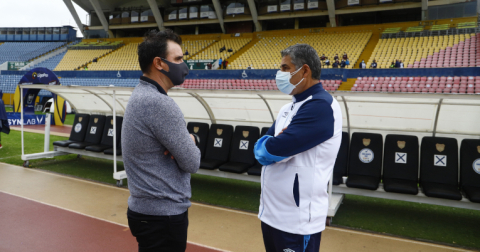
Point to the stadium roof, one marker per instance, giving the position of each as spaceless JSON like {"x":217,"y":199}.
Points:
{"x":110,"y":5}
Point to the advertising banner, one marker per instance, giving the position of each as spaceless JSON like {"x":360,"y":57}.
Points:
{"x":198,"y":64}
{"x":16,"y":65}
{"x":272,"y":8}
{"x":14,"y":119}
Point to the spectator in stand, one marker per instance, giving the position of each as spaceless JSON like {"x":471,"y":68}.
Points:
{"x":347,"y":62}
{"x":95,"y":60}
{"x":222,"y":49}
{"x":401,"y":64}
{"x":209,"y":66}
{"x":322,"y":58}
{"x":186,"y":52}
{"x":342,"y":64}
{"x":250,"y":67}
{"x":374,"y":64}
{"x":335,"y":64}
{"x":335,"y":57}
{"x":363,"y":65}
{"x":220,"y":63}
{"x":392,"y":65}
{"x":327,"y":62}
{"x":225,"y":63}
{"x":230,"y":50}
{"x":345,"y":57}
{"x":397,"y":63}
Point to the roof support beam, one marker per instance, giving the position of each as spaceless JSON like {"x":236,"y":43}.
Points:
{"x":219,"y":12}
{"x":100,"y":15}
{"x":156,"y":14}
{"x":424,"y":9}
{"x":331,"y":12}
{"x":74,"y":13}
{"x":253,"y":10}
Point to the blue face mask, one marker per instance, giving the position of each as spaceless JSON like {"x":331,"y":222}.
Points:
{"x":283,"y":81}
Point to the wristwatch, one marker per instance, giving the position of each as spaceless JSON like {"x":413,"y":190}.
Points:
{"x":197,"y":139}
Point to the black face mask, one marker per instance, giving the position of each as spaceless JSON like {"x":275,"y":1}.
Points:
{"x":177,"y":72}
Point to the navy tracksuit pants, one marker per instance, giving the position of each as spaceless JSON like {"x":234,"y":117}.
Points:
{"x":278,"y":241}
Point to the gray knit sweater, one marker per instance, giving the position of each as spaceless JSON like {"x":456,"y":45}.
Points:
{"x":153,"y":123}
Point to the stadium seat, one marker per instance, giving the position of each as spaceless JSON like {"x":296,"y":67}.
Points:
{"x":257,"y":168}
{"x":241,"y":150}
{"x":94,"y":133}
{"x":400,"y":164}
{"x":218,"y":146}
{"x":80,"y":126}
{"x":340,"y":168}
{"x":439,"y":168}
{"x":470,"y":169}
{"x":365,"y":166}
{"x":201,"y":130}
{"x":107,"y":137}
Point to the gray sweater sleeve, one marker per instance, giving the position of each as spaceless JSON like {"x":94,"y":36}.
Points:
{"x":165,"y":120}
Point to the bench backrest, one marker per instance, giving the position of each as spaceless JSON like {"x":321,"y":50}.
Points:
{"x":366,"y":154}
{"x":439,"y":160}
{"x":400,"y":160}
{"x":219,"y":141}
{"x":79,"y":128}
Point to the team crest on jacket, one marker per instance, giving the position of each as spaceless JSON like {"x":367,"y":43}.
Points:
{"x":366,"y":142}
{"x":95,"y":120}
{"x":80,"y":119}
{"x":219,"y":132}
{"x":478,"y":149}
{"x":440,"y":147}
{"x":401,"y":144}
{"x":196,"y":129}
{"x":246,"y":133}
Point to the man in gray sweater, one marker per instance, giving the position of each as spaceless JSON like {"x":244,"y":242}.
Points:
{"x":158,"y":152}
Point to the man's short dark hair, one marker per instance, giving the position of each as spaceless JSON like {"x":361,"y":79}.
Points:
{"x":304,"y":54}
{"x":155,"y":45}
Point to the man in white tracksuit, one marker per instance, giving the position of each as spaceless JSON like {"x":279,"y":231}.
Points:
{"x":298,"y":153}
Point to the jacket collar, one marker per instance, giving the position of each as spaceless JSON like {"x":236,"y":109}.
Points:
{"x":307,"y":93}
{"x":154,"y":83}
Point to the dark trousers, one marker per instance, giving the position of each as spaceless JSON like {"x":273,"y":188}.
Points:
{"x":278,"y":241}
{"x":159,"y":233}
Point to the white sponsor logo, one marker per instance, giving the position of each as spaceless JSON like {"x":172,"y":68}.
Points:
{"x":218,"y":142}
{"x":400,"y":158}
{"x":78,"y":127}
{"x":366,"y":155}
{"x":41,"y":75}
{"x":476,"y":165}
{"x":288,"y":250}
{"x":243,"y":145}
{"x":439,"y":160}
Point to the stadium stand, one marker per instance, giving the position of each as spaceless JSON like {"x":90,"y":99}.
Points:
{"x":74,"y":59}
{"x":25,"y":51}
{"x":125,"y":58}
{"x":194,"y":46}
{"x":428,"y":51}
{"x":52,"y":62}
{"x":443,"y":84}
{"x":213,"y":51}
{"x":265,"y":54}
{"x":329,"y":85}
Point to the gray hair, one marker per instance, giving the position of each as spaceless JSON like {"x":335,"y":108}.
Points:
{"x":304,"y":54}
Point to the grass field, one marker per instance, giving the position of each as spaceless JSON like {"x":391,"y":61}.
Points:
{"x":454,"y":226}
